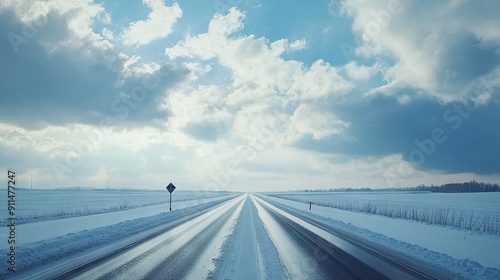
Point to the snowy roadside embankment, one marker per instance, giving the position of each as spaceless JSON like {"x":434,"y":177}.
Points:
{"x":33,"y":255}
{"x":471,"y":211}
{"x":56,"y":227}
{"x":469,"y":254}
{"x":43,"y":205}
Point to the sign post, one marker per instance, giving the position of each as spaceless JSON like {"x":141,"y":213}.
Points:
{"x":170,"y":189}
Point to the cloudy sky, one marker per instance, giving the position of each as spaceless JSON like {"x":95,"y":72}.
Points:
{"x":250,"y":94}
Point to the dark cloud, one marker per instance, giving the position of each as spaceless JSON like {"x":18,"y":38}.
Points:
{"x":382,"y":127}
{"x":68,"y":85}
{"x":466,"y":59}
{"x":205,"y":131}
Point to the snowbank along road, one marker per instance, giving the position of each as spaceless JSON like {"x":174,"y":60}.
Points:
{"x":246,"y":237}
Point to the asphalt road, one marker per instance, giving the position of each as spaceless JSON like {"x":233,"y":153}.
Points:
{"x":329,"y":253}
{"x":307,"y":255}
{"x":224,"y":242}
{"x":175,"y":254}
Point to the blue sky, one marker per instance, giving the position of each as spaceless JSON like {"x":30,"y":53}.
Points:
{"x":250,"y":95}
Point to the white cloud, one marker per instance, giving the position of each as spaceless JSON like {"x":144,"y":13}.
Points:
{"x":281,"y":46}
{"x":226,"y":24}
{"x":80,"y":154}
{"x":308,"y":120}
{"x":134,"y":67}
{"x":265,"y":90}
{"x":108,"y":34}
{"x":321,"y":80}
{"x":436,"y":45}
{"x":148,"y":156}
{"x":204,"y":104}
{"x":404,"y":99}
{"x":74,"y":71}
{"x":79,"y":14}
{"x":241,"y":101}
{"x":78,"y":85}
{"x":298,"y":45}
{"x":360,"y":72}
{"x":159,"y":24}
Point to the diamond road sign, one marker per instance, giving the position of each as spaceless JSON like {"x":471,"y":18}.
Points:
{"x":170,"y":188}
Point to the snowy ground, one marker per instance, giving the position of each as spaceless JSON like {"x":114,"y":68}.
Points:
{"x":473,"y":211}
{"x":480,"y":202}
{"x":237,"y":239}
{"x":37,"y":205}
{"x":459,"y":244}
{"x":466,"y":254}
{"x":52,"y":228}
{"x":54,"y":239}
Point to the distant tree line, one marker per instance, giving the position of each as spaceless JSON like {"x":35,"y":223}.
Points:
{"x":466,"y":187}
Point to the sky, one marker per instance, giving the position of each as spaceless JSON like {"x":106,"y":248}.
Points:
{"x":249,"y":95}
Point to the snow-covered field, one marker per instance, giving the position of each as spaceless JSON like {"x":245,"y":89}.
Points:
{"x":65,"y":239}
{"x":55,"y":239}
{"x":461,"y":244}
{"x":472,"y":211}
{"x":484,"y":202}
{"x":36,"y":205}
